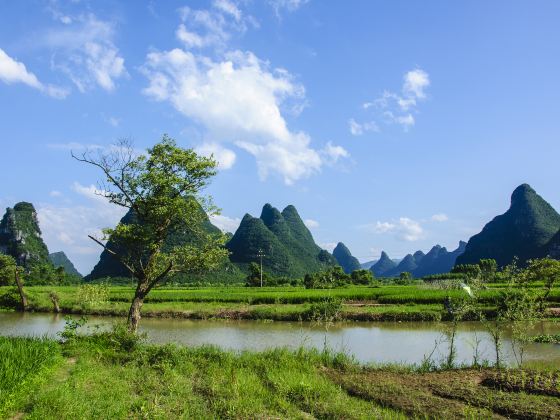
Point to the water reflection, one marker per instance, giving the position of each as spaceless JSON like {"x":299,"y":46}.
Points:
{"x":406,"y":342}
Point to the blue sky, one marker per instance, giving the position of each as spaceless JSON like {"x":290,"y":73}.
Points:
{"x":390,"y":125}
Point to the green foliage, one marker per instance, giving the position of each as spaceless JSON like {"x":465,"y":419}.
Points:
{"x":254,"y":277}
{"x":10,"y":298}
{"x":71,"y":326}
{"x":470,"y":271}
{"x":488,"y":269}
{"x":7,"y":267}
{"x":328,"y":310}
{"x":333,"y":277}
{"x":361,"y":276}
{"x":93,"y":294}
{"x":161,"y":189}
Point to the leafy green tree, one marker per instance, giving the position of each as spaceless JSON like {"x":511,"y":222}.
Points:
{"x":162,"y":189}
{"x":471,"y":271}
{"x":546,"y":270}
{"x":361,"y":276}
{"x":254,"y":277}
{"x":488,"y":269}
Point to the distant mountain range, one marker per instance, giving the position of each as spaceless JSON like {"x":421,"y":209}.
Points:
{"x":287,"y":245}
{"x":530,"y":228}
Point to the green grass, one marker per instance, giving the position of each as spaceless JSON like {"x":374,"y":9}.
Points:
{"x":110,"y":376}
{"x":401,"y":303}
{"x":24,"y":362}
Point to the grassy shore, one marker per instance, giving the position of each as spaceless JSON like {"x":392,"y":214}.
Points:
{"x":112,"y":376}
{"x":385,"y":303}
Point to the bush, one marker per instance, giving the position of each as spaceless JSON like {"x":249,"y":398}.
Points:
{"x":10,"y":299}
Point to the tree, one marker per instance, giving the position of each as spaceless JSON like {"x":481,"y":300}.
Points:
{"x":361,"y":276}
{"x":471,"y":271}
{"x":10,"y":273}
{"x":162,"y":190}
{"x":254,"y":277}
{"x":488,"y":268}
{"x":546,"y":270}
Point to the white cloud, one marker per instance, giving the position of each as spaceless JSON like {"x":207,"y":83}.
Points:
{"x":114,"y":121}
{"x":224,"y":157}
{"x":440,"y":217}
{"x":55,"y":193}
{"x":311,"y":224}
{"x":332,"y":154}
{"x":415,"y":82}
{"x":403,"y":229}
{"x":13,"y":71}
{"x":286,"y":5}
{"x":225,"y":223}
{"x":85,"y":52}
{"x":212,"y":27}
{"x":238,"y":100}
{"x":329,"y":246}
{"x":395,"y":108}
{"x":357,"y":129}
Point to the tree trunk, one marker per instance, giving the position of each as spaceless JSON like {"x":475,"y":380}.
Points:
{"x":20,"y":290}
{"x":135,"y":307}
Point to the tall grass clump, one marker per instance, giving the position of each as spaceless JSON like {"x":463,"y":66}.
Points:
{"x":23,"y":362}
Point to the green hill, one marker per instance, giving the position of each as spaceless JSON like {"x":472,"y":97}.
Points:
{"x":524,"y":231}
{"x":407,"y":264}
{"x":288,"y":246}
{"x":20,"y":236}
{"x":59,"y":259}
{"x":109,"y":266}
{"x":345,"y":258}
{"x":383,"y":266}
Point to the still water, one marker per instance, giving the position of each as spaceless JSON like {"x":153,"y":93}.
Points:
{"x":381,"y":342}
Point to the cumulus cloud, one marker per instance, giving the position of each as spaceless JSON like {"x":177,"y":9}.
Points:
{"x":13,"y":71}
{"x":395,"y":108}
{"x":224,"y":157}
{"x":311,"y":224}
{"x":403,"y":229}
{"x":225,"y":223}
{"x":440,"y":217}
{"x":238,"y":98}
{"x":84,"y":50}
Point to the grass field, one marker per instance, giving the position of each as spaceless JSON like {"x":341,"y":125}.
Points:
{"x":108,"y":376}
{"x":413,"y":303}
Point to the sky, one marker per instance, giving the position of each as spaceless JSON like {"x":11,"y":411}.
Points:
{"x":390,"y":125}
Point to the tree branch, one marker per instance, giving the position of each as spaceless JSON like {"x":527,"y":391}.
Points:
{"x":114,"y":254}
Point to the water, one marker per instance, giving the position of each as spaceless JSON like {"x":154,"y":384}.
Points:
{"x":381,"y":342}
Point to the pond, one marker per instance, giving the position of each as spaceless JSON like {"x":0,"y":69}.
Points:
{"x":379,"y":342}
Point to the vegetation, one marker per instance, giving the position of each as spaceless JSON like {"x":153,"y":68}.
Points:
{"x":114,"y":375}
{"x":287,"y":245}
{"x":160,"y":190}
